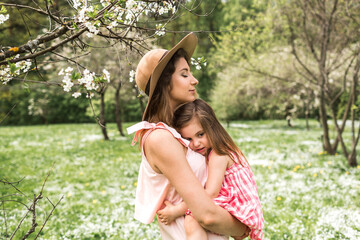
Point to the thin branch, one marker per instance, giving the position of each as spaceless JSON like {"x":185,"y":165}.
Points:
{"x":12,"y":184}
{"x":96,"y":117}
{"x":18,"y":226}
{"x":33,"y":211}
{"x":71,"y":59}
{"x":38,"y":82}
{"x":26,"y":26}
{"x":7,"y":114}
{"x":344,"y":82}
{"x":49,"y":49}
{"x":32,"y":44}
{"x":24,"y":6}
{"x":48,"y":217}
{"x":6,"y":230}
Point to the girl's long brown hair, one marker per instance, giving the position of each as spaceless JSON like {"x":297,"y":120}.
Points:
{"x":159,"y":109}
{"x":219,"y":139}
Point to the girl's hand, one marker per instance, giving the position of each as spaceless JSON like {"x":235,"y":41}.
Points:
{"x":167,"y":215}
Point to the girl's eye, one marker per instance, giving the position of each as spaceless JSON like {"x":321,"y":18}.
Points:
{"x":184,"y":75}
{"x":201,"y":134}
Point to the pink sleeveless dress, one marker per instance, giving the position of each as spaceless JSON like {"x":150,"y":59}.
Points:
{"x":154,"y":188}
{"x":239,"y":196}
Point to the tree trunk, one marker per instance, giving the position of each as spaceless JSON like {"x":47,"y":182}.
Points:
{"x":354,"y":94}
{"x":102,"y":115}
{"x":140,"y":98}
{"x":117,"y":109}
{"x":323,"y":119}
{"x":307,"y":115}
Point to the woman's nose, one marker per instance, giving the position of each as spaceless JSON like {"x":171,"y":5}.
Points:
{"x":194,"y":81}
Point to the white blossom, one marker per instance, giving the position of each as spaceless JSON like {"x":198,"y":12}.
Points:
{"x":76,"y":94}
{"x":3,"y":18}
{"x":21,"y":67}
{"x":112,"y":24}
{"x":93,"y":28}
{"x":132,"y":75}
{"x":69,"y":70}
{"x":89,"y":94}
{"x":87,"y":81}
{"x":89,"y":35}
{"x":160,"y":30}
{"x":77,"y":4}
{"x":106,"y":75}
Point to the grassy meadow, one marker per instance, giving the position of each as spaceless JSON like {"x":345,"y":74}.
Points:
{"x":305,"y":193}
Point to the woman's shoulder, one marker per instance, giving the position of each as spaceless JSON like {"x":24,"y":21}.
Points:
{"x":165,"y":135}
{"x":159,"y":135}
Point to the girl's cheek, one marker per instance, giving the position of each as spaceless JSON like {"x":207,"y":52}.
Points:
{"x":191,"y":146}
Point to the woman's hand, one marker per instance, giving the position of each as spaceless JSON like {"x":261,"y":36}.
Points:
{"x":246,"y":234}
{"x":168,"y":214}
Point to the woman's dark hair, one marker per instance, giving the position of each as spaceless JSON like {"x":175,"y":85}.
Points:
{"x":159,"y":109}
{"x":219,"y":139}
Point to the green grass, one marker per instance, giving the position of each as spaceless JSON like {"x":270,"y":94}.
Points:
{"x":304,"y":194}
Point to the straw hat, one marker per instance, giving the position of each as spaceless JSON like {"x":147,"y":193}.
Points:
{"x":153,"y":63}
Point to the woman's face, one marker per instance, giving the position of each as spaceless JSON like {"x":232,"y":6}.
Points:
{"x":182,"y":84}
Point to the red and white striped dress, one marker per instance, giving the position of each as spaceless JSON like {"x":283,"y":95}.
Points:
{"x":239,"y":196}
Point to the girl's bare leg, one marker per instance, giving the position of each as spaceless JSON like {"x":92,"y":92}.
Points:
{"x":194,"y":231}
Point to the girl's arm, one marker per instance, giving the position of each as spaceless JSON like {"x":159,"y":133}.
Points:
{"x":216,"y":171}
{"x":167,"y":156}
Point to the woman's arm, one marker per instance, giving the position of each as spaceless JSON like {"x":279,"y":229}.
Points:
{"x":167,"y":156}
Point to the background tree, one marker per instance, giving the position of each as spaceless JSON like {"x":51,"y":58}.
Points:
{"x":323,"y":38}
{"x":328,"y":32}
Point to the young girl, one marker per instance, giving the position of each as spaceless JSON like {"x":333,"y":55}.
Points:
{"x":230,"y":179}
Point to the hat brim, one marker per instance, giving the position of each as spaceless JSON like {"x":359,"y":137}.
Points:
{"x":188,"y":43}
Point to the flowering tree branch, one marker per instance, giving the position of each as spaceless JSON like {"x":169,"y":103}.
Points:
{"x":108,"y":19}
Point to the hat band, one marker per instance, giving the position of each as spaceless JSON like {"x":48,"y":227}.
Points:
{"x":147,"y":88}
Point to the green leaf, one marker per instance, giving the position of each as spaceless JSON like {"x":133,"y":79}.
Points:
{"x":354,"y":107}
{"x":26,"y":87}
{"x":3,"y":10}
{"x":75,"y":75}
{"x":13,"y":68}
{"x":75,"y":26}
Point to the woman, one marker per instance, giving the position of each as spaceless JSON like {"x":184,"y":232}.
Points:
{"x":165,"y":173}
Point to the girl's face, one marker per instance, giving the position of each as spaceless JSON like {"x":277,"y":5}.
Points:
{"x":182,"y":84}
{"x":196,"y":135}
